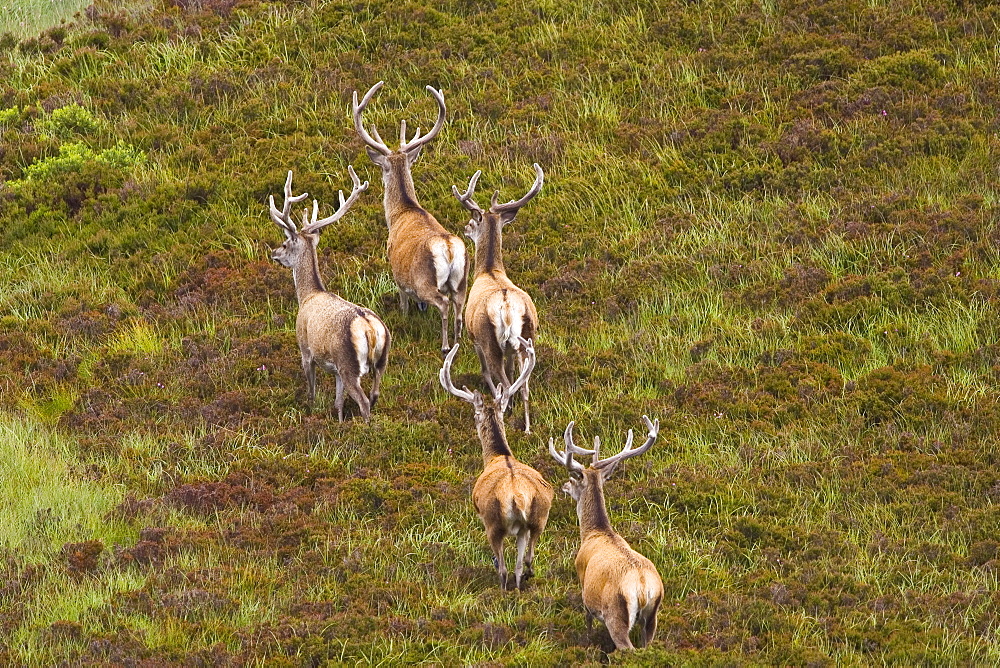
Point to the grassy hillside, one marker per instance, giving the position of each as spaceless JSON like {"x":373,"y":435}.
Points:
{"x":25,"y":18}
{"x":772,"y":225}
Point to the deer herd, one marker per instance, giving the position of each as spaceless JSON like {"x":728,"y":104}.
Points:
{"x":429,"y":265}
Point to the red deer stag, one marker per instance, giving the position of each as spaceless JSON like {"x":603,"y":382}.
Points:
{"x":428,"y":263}
{"x":620,"y":586}
{"x":511,"y":498}
{"x":344,"y":338}
{"x":498,"y":312}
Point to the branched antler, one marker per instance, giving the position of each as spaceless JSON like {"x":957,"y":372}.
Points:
{"x":566,"y":458}
{"x":445,"y":375}
{"x":374,"y":141}
{"x":283,"y":217}
{"x":356,"y":190}
{"x":514,"y":205}
{"x":356,"y":111}
{"x":418,"y":141}
{"x":628,"y":452}
{"x":465,"y":199}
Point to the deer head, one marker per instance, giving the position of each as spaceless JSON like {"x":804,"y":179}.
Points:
{"x":501,"y":397}
{"x":600,"y":470}
{"x":502,"y":213}
{"x":299,"y":241}
{"x":377,"y":149}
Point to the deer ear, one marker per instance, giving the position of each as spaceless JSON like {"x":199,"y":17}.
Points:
{"x":376,"y":157}
{"x":508,"y":217}
{"x":412,"y":155}
{"x":477,"y":400}
{"x":608,"y":471}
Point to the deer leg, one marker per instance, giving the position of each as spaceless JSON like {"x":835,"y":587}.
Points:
{"x":353,"y":387}
{"x":457,"y":303}
{"x":404,"y":302}
{"x":309,"y":369}
{"x":484,"y":364}
{"x":649,"y":627}
{"x":442,"y":305}
{"x":339,"y":402}
{"x":522,"y":544}
{"x":496,"y":544}
{"x":504,"y":378}
{"x":529,"y":564}
{"x":377,"y":373}
{"x":617,"y":621}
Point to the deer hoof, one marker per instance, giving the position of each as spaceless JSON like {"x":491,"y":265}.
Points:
{"x":422,"y":306}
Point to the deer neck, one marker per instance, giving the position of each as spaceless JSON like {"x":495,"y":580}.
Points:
{"x":399,"y":192}
{"x":493,"y":436}
{"x":592,"y":511}
{"x":489,"y":247}
{"x":305,"y":273}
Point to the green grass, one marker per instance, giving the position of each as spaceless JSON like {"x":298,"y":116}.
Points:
{"x":771,"y":225}
{"x":24,"y":18}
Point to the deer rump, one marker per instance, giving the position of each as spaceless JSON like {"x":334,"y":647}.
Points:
{"x":328,"y":320}
{"x":617,"y":578}
{"x":445,"y":254}
{"x":506,"y":493}
{"x":506,"y":312}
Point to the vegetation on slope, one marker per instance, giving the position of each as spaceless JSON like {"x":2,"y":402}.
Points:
{"x":772,"y":225}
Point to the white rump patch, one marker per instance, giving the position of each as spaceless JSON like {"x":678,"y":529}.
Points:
{"x":380,"y":335}
{"x":457,"y":272}
{"x":359,"y":337}
{"x":442,"y":262}
{"x":508,"y":320}
{"x":515,"y":517}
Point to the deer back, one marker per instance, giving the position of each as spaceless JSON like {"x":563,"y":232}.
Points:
{"x":425,"y":257}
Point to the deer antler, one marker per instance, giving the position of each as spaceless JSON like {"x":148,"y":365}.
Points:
{"x":283,"y":217}
{"x":628,"y":452}
{"x":529,"y":348}
{"x":356,"y":111}
{"x":514,"y":205}
{"x":356,"y":190}
{"x":566,"y":458}
{"x":445,"y":375}
{"x":465,"y":199}
{"x":417,"y":140}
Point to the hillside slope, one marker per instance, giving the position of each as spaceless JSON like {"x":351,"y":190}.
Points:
{"x":773,"y":225}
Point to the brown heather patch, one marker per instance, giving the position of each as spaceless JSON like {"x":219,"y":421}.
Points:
{"x":82,"y":558}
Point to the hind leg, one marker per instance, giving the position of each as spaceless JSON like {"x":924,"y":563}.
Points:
{"x":442,"y":306}
{"x":649,"y":628}
{"x":529,"y":564}
{"x":617,"y":621}
{"x":522,"y":544}
{"x":309,"y":369}
{"x":456,"y":306}
{"x":339,"y":401}
{"x":496,"y":544}
{"x":377,"y":374}
{"x":458,"y":300}
{"x":353,"y":387}
{"x":485,"y":365}
{"x":404,"y":302}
